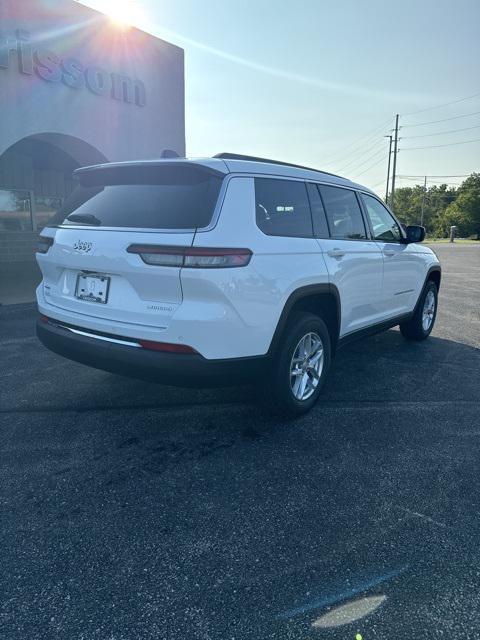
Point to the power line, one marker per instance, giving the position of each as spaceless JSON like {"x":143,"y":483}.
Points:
{"x":434,"y":179}
{"x":365,"y":149}
{"x":370,"y":157}
{"x":439,"y":106}
{"x":440,"y":133}
{"x":433,"y":182}
{"x":368,"y":136}
{"x":354,"y":161}
{"x":436,"y":183}
{"x":449,"y":185}
{"x":437,"y":146}
{"x":382,"y":159}
{"x":421,"y":124}
{"x":377,"y":184}
{"x":339,"y":156}
{"x":463,"y":175}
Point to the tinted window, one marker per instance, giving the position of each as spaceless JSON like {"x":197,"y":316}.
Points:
{"x":320,"y":227}
{"x":383,"y":225}
{"x":343,"y":213}
{"x":144,"y":197}
{"x":282,"y":207}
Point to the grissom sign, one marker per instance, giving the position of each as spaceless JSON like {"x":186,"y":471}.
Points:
{"x":70,"y":71}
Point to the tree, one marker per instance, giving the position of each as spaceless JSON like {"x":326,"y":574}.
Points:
{"x":443,"y":206}
{"x":452,"y":216}
{"x":409,"y":202}
{"x":466,"y":208}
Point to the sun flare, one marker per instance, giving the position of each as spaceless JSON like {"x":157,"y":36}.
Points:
{"x":123,"y":12}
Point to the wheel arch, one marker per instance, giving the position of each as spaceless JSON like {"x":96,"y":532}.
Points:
{"x":434,"y":274}
{"x":322,"y":300}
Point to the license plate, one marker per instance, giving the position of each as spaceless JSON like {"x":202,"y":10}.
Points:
{"x":92,"y":287}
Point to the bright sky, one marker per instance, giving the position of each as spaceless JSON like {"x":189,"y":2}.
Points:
{"x":319,"y":82}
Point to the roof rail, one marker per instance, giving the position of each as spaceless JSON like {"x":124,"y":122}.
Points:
{"x":238,"y":156}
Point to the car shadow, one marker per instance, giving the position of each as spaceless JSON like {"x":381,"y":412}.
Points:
{"x":381,"y":369}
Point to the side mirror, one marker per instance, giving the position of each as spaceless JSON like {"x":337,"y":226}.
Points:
{"x":415,"y":233}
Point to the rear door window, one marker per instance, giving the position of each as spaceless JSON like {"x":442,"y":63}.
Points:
{"x":145,"y":197}
{"x":283,"y":208}
{"x":343,"y":212}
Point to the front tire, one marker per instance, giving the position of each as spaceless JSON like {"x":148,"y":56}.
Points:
{"x":421,"y":324}
{"x":298,"y":370}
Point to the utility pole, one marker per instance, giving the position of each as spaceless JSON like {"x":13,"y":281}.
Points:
{"x":388,"y":169}
{"x":423,"y":200}
{"x":395,"y":150}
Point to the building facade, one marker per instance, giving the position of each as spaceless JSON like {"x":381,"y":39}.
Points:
{"x":75,"y":89}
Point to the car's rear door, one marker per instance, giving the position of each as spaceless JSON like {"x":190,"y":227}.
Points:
{"x":354,"y":261}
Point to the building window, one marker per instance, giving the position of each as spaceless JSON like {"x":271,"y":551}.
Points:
{"x":15,"y":210}
{"x":45,"y":208}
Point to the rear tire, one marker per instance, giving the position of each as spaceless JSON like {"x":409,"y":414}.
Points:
{"x":297,"y":373}
{"x":421,"y":324}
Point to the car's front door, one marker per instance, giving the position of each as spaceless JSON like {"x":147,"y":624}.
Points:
{"x":354,"y":261}
{"x":403,"y":269}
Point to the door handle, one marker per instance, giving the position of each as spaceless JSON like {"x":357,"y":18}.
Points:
{"x":388,"y":252}
{"x":336,"y":253}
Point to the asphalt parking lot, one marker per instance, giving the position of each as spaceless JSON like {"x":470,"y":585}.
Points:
{"x":132,"y":511}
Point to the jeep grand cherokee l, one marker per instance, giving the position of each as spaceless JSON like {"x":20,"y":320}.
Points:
{"x":225,"y":269}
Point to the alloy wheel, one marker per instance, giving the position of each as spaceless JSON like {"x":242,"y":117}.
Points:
{"x":306,"y":366}
{"x":428,"y":310}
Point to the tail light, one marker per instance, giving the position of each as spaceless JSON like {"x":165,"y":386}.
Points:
{"x":169,"y":347}
{"x":44,"y":244}
{"x":191,"y":257}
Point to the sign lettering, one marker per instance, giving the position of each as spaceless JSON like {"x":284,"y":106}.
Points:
{"x":69,"y":71}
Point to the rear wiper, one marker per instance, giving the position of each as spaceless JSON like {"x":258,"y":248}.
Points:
{"x":84,"y":218}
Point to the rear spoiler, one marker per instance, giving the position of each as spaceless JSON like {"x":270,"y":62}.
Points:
{"x":142,"y":168}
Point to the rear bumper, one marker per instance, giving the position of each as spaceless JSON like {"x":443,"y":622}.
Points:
{"x":184,"y":370}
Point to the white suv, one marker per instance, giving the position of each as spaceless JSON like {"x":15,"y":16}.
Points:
{"x":214,"y":271}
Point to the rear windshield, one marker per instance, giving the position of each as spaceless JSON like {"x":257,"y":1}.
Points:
{"x":168,"y":197}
